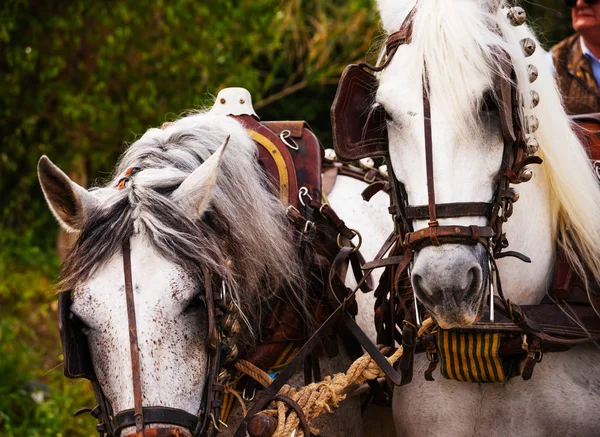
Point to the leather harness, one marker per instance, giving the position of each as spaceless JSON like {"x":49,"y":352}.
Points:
{"x":359,"y":133}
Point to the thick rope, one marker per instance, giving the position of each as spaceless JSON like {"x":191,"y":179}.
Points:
{"x":322,"y":397}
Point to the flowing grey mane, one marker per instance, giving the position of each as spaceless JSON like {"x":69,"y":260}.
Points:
{"x":242,"y":237}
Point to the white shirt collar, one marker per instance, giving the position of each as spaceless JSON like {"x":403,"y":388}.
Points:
{"x":585,"y":50}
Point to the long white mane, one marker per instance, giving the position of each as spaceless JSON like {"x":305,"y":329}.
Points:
{"x":468,"y":34}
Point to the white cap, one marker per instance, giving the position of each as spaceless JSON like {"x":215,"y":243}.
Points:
{"x":234,"y":101}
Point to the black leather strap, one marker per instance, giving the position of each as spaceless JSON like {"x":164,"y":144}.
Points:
{"x":171,"y":416}
{"x":450,"y":210}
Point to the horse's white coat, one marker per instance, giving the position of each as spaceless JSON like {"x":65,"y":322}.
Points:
{"x":172,"y":355}
{"x":561,"y":203}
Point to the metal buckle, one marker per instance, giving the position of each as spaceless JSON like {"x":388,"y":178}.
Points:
{"x":287,"y":134}
{"x":307,"y":226}
{"x":246,"y":397}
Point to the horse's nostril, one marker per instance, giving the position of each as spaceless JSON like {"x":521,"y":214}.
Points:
{"x":420,"y":286}
{"x":474,"y":282}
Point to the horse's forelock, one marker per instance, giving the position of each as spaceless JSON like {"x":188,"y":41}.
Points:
{"x":243,"y":237}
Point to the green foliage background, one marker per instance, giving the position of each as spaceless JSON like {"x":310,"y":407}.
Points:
{"x":80,"y":79}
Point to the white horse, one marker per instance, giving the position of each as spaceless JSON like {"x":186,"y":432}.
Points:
{"x":188,"y":207}
{"x":560,"y":207}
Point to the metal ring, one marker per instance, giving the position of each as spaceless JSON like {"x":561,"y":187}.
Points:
{"x":355,"y":249}
{"x":303,"y":192}
{"x":597,"y":168}
{"x":246,"y":397}
{"x":283,"y":137}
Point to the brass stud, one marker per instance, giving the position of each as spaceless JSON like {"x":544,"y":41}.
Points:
{"x":533,"y":73}
{"x":222,"y":101}
{"x":233,"y":354}
{"x":228,"y":322}
{"x":532,"y":124}
{"x":535,"y":99}
{"x":531,"y":146}
{"x":235,"y":328}
{"x":528,"y":46}
{"x":242,"y":101}
{"x":517,"y":16}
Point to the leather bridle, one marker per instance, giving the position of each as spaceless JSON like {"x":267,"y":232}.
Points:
{"x":206,"y":422}
{"x":512,"y":170}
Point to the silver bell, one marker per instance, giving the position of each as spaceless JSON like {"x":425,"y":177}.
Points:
{"x":532,"y":124}
{"x":367,"y":163}
{"x":517,"y":16}
{"x":330,"y":155}
{"x":383,"y":171}
{"x":531,"y":146}
{"x":533,"y":73}
{"x":528,"y":46}
{"x":525,"y":175}
{"x":535,"y":99}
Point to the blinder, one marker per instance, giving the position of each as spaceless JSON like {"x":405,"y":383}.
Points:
{"x":359,"y":124}
{"x":76,"y":352}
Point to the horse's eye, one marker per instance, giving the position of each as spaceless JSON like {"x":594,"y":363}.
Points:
{"x":489,"y":103}
{"x":198,"y":302}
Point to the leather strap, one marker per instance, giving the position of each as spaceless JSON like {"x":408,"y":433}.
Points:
{"x":450,"y":210}
{"x":272,"y":390}
{"x":437,"y":235}
{"x":172,"y":416}
{"x":429,"y":152}
{"x":133,"y":341}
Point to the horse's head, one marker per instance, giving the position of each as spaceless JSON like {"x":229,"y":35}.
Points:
{"x":461,"y":48}
{"x":199,"y":221}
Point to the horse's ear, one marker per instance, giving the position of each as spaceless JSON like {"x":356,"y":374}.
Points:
{"x":67,"y":200}
{"x":196,"y":191}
